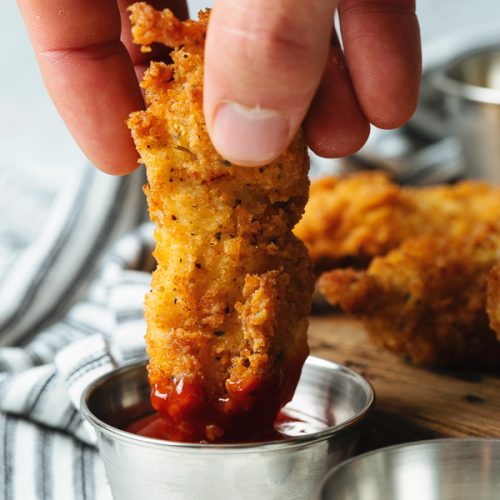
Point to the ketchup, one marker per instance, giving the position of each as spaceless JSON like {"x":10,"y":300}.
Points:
{"x":190,"y":413}
{"x":287,"y":425}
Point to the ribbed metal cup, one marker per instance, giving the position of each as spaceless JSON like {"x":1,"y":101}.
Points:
{"x":144,"y":468}
{"x":442,"y":469}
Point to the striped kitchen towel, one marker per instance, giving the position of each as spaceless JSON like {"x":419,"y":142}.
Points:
{"x":41,"y":283}
{"x":60,"y":330}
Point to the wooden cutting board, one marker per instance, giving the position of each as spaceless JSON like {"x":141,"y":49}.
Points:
{"x":413,"y":403}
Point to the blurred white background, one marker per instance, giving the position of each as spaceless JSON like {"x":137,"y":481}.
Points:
{"x":37,"y":154}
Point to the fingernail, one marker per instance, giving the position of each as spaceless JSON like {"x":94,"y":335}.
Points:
{"x":249,"y":136}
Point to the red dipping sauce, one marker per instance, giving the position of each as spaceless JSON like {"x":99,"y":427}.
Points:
{"x":288,"y":425}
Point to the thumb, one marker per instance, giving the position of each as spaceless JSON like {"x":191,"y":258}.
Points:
{"x":263,"y":63}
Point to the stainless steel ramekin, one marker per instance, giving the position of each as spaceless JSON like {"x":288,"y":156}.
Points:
{"x":470,"y":87}
{"x":143,"y":468}
{"x":442,"y":469}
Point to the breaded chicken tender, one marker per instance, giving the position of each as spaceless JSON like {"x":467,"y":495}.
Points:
{"x":227,"y":313}
{"x":349,"y":220}
{"x":426,"y":300}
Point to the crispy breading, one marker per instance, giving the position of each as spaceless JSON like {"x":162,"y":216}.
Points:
{"x":150,"y":25}
{"x":425,"y":300}
{"x":352,"y":219}
{"x":227,"y":313}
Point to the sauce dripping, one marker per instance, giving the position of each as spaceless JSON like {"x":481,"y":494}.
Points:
{"x":192,"y":414}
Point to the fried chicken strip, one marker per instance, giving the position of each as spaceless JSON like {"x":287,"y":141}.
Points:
{"x":425,"y":300}
{"x":227,"y":313}
{"x":350,"y":220}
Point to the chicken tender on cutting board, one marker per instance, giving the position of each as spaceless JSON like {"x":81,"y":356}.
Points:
{"x":425,"y":300}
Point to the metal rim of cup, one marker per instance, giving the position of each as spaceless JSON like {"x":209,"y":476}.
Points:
{"x":446,"y":84}
{"x":292,"y":442}
{"x":388,"y":449}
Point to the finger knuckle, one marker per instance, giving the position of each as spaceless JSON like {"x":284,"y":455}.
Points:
{"x":279,"y":46}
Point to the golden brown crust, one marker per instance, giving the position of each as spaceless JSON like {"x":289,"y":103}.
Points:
{"x":152,"y":26}
{"x":229,"y":300}
{"x":425,"y":300}
{"x":355,"y":218}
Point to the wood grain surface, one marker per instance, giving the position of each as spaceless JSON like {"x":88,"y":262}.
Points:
{"x":413,"y":403}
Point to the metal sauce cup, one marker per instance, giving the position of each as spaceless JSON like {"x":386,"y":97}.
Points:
{"x":442,"y":469}
{"x":470,"y":87}
{"x":139,"y":467}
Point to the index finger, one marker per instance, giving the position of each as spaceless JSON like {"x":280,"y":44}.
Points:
{"x":89,"y":75}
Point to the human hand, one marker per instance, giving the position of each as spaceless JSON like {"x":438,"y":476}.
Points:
{"x":269,"y":66}
{"x":91,"y":67}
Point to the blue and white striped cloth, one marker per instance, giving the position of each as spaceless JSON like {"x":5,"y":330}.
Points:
{"x":71,"y":309}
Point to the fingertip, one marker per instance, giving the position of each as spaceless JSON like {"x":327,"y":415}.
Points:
{"x":117,"y":170}
{"x":117,"y":165}
{"x":328,"y":144}
{"x":112,"y":151}
{"x":335,"y":125}
{"x":394,"y":115}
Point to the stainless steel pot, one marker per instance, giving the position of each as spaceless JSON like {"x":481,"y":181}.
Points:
{"x":443,"y":469}
{"x":144,"y":468}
